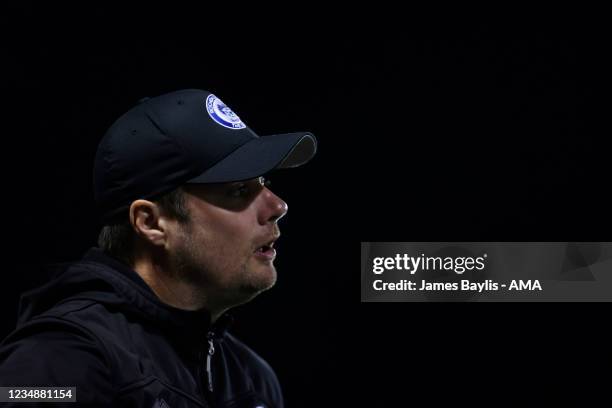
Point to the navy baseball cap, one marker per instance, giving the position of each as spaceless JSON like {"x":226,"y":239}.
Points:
{"x":187,"y":136}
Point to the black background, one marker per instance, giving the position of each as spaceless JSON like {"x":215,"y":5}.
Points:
{"x":427,"y":132}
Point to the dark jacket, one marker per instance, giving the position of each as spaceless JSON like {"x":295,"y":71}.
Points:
{"x":98,"y":326}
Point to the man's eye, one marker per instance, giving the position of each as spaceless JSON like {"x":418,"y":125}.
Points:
{"x":239,"y":191}
{"x":243,"y":189}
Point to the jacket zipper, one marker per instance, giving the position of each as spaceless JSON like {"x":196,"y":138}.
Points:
{"x":211,"y":351}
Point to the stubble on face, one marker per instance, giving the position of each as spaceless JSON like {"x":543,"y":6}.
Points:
{"x":221,"y":271}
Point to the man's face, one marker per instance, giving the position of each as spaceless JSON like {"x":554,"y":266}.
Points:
{"x":219,"y":249}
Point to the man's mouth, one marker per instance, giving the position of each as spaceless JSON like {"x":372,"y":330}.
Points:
{"x":267,"y":245}
{"x":267,"y":250}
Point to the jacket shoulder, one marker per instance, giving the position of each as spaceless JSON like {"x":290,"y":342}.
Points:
{"x":55,"y":352}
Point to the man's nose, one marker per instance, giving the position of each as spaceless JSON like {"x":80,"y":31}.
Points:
{"x":274,"y":207}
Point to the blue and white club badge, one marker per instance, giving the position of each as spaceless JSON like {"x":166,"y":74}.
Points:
{"x":220,"y":113}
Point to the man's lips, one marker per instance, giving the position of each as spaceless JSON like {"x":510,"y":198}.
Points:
{"x":266,"y":250}
{"x":266,"y":253}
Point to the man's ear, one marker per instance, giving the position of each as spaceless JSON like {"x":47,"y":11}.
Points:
{"x":147,"y":223}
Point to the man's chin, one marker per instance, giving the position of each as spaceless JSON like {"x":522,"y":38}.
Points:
{"x":268,"y":281}
{"x":261,"y":280}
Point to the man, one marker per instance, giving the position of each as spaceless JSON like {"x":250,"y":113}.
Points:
{"x":190,"y":226}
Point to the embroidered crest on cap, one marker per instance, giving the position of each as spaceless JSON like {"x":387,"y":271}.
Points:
{"x":221,"y":114}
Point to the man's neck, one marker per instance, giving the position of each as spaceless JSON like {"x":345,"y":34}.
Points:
{"x":171,"y":291}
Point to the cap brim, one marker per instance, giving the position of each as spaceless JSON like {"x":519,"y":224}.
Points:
{"x":260,"y":156}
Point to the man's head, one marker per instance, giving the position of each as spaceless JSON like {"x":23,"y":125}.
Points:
{"x":178,"y":182}
{"x":215,"y":238}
